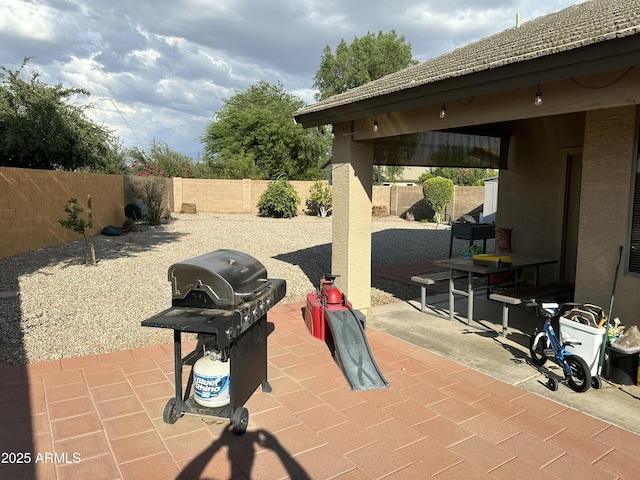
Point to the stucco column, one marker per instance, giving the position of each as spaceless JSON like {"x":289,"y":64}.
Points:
{"x":605,"y":204}
{"x":352,"y":174}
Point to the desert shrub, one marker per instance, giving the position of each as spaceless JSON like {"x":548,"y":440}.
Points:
{"x":437,"y":193}
{"x":279,"y":200}
{"x":151,"y":191}
{"x":320,"y":199}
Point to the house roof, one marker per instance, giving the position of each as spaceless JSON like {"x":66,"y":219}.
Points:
{"x":591,"y":23}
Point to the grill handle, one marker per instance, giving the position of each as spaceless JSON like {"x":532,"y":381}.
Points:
{"x":265,"y":283}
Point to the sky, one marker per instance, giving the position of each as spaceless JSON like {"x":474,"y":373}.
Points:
{"x":159,"y":70}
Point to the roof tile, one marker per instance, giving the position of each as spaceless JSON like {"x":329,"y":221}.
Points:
{"x":574,"y":27}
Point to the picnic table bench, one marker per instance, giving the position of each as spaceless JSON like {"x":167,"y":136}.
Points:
{"x":551,"y":292}
{"x":431,"y":279}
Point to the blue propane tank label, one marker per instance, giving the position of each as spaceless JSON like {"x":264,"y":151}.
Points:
{"x":211,"y":387}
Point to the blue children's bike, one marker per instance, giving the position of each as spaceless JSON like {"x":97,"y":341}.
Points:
{"x":545,"y":345}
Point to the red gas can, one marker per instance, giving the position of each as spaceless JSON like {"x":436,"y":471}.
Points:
{"x":314,"y":315}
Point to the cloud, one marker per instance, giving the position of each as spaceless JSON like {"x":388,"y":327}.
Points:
{"x":166,"y":67}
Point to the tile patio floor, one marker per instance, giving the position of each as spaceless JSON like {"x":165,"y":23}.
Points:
{"x":438,"y":419}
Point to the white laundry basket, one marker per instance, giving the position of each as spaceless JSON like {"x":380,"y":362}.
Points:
{"x":590,"y":339}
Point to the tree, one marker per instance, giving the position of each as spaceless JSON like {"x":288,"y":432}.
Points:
{"x":465,"y":176}
{"x":365,"y":59}
{"x":79,"y":225}
{"x":39,"y":128}
{"x":254,"y":136}
{"x":437,"y":193}
{"x":389,"y":173}
{"x":161,"y":160}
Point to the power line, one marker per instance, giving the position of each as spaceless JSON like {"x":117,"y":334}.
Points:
{"x":123,"y":118}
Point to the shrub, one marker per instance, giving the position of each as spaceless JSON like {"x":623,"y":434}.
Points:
{"x":78,"y":225}
{"x":73,"y":222}
{"x":319,"y":201}
{"x":151,"y":191}
{"x":279,"y":200}
{"x":437,"y":193}
{"x":424,"y":177}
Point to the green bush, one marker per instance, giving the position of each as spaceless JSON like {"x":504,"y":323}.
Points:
{"x":437,"y":193}
{"x":424,"y":177}
{"x":279,"y":200}
{"x":320,"y":198}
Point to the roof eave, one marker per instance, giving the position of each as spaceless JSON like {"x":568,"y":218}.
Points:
{"x":591,"y":59}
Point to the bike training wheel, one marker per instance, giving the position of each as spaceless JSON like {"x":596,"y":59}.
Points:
{"x":596,"y":382}
{"x":580,"y":378}
{"x":538,"y":343}
{"x":552,"y":384}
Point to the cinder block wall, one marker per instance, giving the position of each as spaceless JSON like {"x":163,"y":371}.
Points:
{"x":403,"y":199}
{"x":32,"y":202}
{"x":219,"y":196}
{"x":227,"y":196}
{"x":466,"y":200}
{"x":242,"y":196}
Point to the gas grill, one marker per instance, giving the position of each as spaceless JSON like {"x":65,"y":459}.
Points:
{"x":223,"y":297}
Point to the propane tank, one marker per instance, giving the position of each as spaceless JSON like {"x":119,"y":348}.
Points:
{"x":211,"y":381}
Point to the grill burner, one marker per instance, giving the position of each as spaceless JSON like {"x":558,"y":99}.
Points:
{"x":224,"y":297}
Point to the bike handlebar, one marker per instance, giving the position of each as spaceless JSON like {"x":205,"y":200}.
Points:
{"x":541,"y":311}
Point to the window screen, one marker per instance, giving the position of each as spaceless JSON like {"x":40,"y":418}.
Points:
{"x":442,"y":149}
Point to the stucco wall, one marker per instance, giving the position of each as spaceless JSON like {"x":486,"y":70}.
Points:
{"x":32,"y":202}
{"x":531,"y":199}
{"x":608,"y":164}
{"x":531,"y":190}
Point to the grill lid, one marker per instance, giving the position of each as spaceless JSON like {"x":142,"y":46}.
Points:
{"x":226,"y":276}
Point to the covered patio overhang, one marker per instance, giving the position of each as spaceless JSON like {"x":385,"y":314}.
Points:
{"x":588,"y":113}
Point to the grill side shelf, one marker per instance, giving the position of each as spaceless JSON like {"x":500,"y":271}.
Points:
{"x":194,"y":320}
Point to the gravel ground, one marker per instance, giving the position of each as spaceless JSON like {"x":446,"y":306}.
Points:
{"x":66,"y":308}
